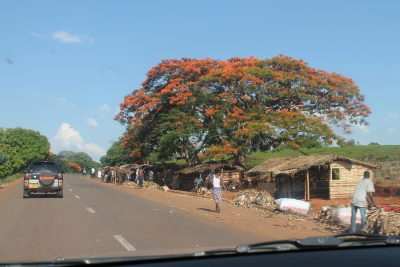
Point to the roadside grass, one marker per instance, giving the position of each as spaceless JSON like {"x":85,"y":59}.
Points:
{"x":11,"y":178}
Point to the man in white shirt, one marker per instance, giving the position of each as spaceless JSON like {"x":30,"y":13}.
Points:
{"x":361,"y":198}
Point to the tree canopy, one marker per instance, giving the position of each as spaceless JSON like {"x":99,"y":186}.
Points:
{"x":20,"y":147}
{"x":115,"y":155}
{"x":211,"y":108}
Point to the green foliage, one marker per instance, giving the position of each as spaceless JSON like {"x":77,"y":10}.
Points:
{"x":348,"y":142}
{"x":308,"y":141}
{"x":336,"y":174}
{"x":116,"y":156}
{"x":84,"y":160}
{"x":373,"y":144}
{"x":22,"y":146}
{"x":3,"y":159}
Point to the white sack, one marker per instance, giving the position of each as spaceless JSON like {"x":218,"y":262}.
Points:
{"x":343,"y":215}
{"x":293,"y":204}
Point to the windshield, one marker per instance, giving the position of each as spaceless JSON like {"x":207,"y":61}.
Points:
{"x":42,"y":166}
{"x":180,"y":126}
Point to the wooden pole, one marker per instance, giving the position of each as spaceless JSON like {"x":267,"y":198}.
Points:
{"x":308,"y":183}
{"x":305,"y":185}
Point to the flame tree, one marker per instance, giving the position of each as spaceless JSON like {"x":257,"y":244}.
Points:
{"x":201,"y":108}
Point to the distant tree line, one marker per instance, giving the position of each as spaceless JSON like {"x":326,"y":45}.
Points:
{"x":73,"y":162}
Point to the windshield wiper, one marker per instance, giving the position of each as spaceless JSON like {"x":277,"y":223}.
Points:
{"x":341,"y":240}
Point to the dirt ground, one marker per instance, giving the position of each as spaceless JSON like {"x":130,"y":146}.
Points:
{"x":273,"y":225}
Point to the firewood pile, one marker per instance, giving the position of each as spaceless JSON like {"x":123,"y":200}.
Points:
{"x":383,"y":220}
{"x":251,"y":196}
{"x":151,"y":184}
{"x":130,"y":183}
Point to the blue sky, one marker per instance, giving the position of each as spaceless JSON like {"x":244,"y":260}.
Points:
{"x":66,"y":65}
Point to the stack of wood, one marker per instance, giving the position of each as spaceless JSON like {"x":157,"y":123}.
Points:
{"x":383,"y":220}
{"x":251,"y":196}
{"x":130,"y":183}
{"x":150,"y":184}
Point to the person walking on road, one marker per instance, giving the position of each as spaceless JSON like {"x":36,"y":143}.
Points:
{"x":84,"y":172}
{"x":362,"y":197}
{"x":92,"y":172}
{"x":140,"y":177}
{"x":217,"y":192}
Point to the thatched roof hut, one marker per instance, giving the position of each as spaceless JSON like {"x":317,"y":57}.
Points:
{"x":200,"y":168}
{"x":326,"y":176}
{"x":291,"y":166}
{"x":187,"y":175}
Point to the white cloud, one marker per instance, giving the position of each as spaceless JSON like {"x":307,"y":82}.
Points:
{"x":361,"y":129}
{"x":393,"y":115}
{"x":69,"y":139}
{"x":57,"y":100}
{"x":38,"y":35}
{"x":65,"y":37}
{"x":93,"y":123}
{"x":390,"y":130}
{"x":104,"y":110}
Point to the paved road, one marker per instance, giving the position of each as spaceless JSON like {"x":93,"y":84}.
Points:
{"x":96,"y":219}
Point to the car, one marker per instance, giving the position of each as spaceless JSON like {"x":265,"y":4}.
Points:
{"x":43,"y":177}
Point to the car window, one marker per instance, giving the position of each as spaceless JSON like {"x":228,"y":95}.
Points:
{"x":39,"y":167}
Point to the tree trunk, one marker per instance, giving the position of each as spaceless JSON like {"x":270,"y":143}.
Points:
{"x":240,"y":155}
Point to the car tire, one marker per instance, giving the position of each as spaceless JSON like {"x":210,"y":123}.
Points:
{"x":26,"y":194}
{"x":60,"y":194}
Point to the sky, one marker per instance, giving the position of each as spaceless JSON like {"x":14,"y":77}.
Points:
{"x":65,"y":66}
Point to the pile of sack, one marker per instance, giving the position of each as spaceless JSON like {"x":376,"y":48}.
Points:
{"x":251,"y":196}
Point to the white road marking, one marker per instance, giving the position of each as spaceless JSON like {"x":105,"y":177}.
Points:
{"x":77,"y":196}
{"x":90,"y":210}
{"x":70,"y":190}
{"x":124,"y":243}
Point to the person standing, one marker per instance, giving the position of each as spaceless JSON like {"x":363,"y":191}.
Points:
{"x":92,"y":172}
{"x":84,"y":172}
{"x":140,"y":177}
{"x":361,"y":198}
{"x":197,"y":183}
{"x":217,"y":192}
{"x":99,"y":173}
{"x":106,"y":174}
